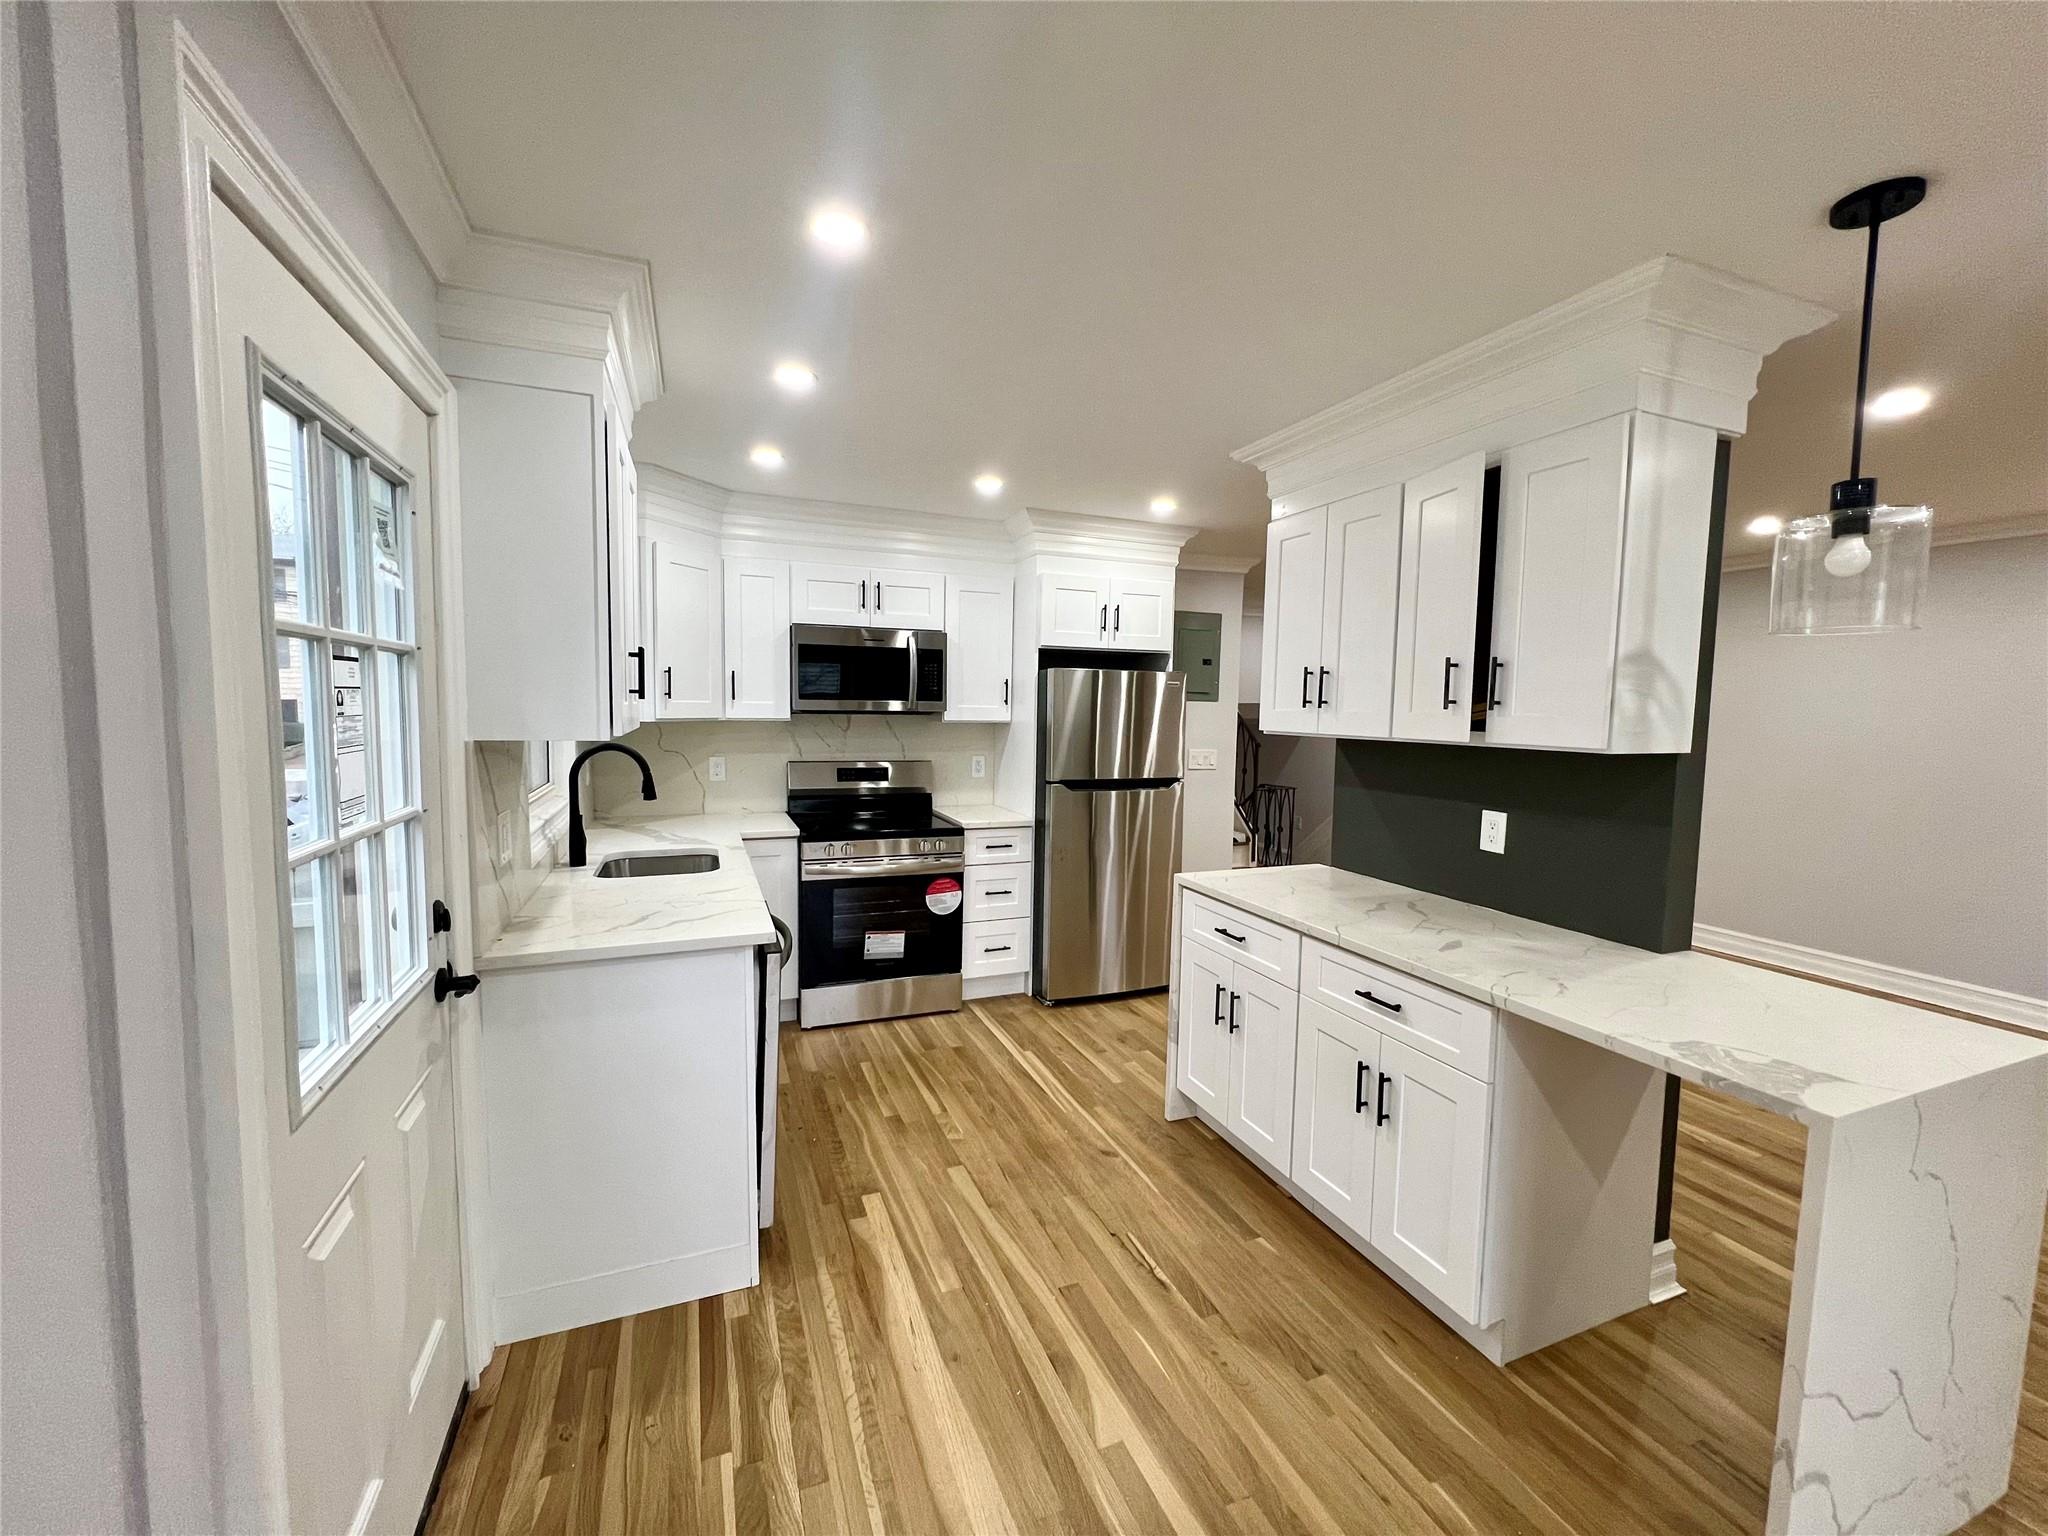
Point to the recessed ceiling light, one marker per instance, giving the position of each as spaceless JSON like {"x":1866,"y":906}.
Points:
{"x":765,"y":456}
{"x":796,"y":378}
{"x":988,"y":485}
{"x":1164,"y":506}
{"x":1908,"y":400}
{"x":1767,"y":526}
{"x":838,"y":230}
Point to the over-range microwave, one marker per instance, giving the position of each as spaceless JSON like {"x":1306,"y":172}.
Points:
{"x":837,"y":669}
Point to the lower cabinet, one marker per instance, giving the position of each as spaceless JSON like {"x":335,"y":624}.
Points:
{"x":1336,"y":1130}
{"x":1260,"y":1109}
{"x":1429,"y":1174}
{"x":1202,"y":1064}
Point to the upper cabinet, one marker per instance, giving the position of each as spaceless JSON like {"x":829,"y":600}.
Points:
{"x":1331,"y":574}
{"x":756,"y":638}
{"x":1126,"y":609}
{"x":866,"y":596}
{"x":980,"y":645}
{"x":685,"y":624}
{"x":1436,"y":608}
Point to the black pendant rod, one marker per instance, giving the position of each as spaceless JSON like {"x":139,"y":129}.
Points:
{"x":1863,"y":352}
{"x":1850,"y":500}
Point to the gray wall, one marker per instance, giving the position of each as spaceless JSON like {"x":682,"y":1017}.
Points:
{"x":1886,"y":796}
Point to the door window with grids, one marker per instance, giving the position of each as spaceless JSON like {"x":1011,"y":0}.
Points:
{"x":348,"y":745}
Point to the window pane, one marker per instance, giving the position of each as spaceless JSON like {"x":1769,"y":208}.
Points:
{"x":350,"y":545}
{"x":539,"y":769}
{"x":405,"y":914}
{"x":285,"y":486}
{"x":318,"y":1018}
{"x":351,"y":738}
{"x":390,"y":556}
{"x":395,"y":749}
{"x":361,"y":980}
{"x":299,"y":720}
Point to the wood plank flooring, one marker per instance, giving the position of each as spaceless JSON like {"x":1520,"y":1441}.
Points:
{"x":1003,"y":1295}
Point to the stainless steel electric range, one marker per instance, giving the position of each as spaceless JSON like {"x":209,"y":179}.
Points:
{"x":879,"y":895}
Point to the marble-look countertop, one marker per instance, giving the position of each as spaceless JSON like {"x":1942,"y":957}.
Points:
{"x":977,"y":818}
{"x":1815,"y":1052}
{"x":574,"y":916}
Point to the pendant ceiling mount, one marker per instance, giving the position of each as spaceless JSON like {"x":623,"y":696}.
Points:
{"x":1877,"y":203}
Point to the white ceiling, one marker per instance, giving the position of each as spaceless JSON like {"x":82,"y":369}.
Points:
{"x":1112,"y":244}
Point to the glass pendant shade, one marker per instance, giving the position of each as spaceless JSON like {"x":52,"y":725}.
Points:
{"x":1859,"y":584}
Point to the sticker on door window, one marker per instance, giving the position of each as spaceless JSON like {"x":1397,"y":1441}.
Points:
{"x":943,"y":896}
{"x":886,"y":944}
{"x":351,"y":761}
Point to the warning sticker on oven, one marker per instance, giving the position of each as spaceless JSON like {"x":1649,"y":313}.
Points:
{"x":885,"y":945}
{"x":943,"y":895}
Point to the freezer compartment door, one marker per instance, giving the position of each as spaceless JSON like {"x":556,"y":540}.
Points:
{"x":1104,"y":725}
{"x":1106,"y":862}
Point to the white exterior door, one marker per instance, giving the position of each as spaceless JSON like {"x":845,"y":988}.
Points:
{"x":1335,"y":1133}
{"x":1292,"y":669}
{"x":756,"y":639}
{"x":1440,"y":525}
{"x":979,"y":642}
{"x":1073,"y":610}
{"x":327,"y":631}
{"x":1557,"y":588}
{"x":1361,"y":579}
{"x":1141,"y":613}
{"x":1429,"y":1179}
{"x":687,"y":599}
{"x":907,"y":599}
{"x":1260,"y":1023}
{"x":1202,"y":1063}
{"x":829,"y":594}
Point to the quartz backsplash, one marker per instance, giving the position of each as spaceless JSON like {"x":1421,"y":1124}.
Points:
{"x":500,"y":887}
{"x":757,"y":755}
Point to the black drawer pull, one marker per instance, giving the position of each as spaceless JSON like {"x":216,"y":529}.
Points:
{"x":1234,"y":1025}
{"x":995,"y":949}
{"x":1364,"y":1098}
{"x":1383,"y":1115}
{"x":1235,"y":938}
{"x":1381,"y":1002}
{"x":998,"y":893}
{"x":997,"y":847}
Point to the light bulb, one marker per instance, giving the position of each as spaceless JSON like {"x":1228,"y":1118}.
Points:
{"x":1848,"y":556}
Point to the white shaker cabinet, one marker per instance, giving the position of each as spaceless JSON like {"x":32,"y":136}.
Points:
{"x":1074,"y":610}
{"x":756,"y":638}
{"x":979,"y":647}
{"x":685,"y":621}
{"x":1107,"y":608}
{"x":1429,"y":1175}
{"x":908,"y":599}
{"x":1331,"y":577}
{"x":1141,"y":612}
{"x":864,"y":596}
{"x":1202,"y":1068}
{"x":1260,"y":1019}
{"x":1293,"y":662}
{"x":1335,"y":1122}
{"x":1441,"y":518}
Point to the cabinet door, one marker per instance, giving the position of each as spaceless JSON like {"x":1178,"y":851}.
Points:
{"x":1361,"y":577}
{"x":1141,"y":613}
{"x":1335,"y":1060}
{"x":1557,"y":588}
{"x":1429,"y":1175}
{"x":1292,"y":668}
{"x":1073,"y":610}
{"x":1439,"y":599}
{"x":830,"y":594}
{"x":629,"y":644}
{"x":907,"y":599}
{"x":756,"y":639}
{"x":979,"y":643}
{"x":1202,"y":1060}
{"x":686,"y":601}
{"x":1259,"y":1019}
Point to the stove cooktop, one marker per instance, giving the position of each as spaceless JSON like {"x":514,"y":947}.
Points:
{"x":876,"y":822}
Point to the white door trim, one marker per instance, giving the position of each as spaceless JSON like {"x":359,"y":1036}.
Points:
{"x":222,"y":152}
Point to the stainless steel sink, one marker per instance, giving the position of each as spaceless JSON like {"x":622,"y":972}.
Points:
{"x":633,"y":866}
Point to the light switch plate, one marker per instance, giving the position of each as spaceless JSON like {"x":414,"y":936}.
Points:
{"x":504,"y":838}
{"x":1202,"y":758}
{"x":1493,"y":831}
{"x":977,"y":766}
{"x":715,"y":769}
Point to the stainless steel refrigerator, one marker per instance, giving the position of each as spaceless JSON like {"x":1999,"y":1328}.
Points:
{"x":1108,"y":845}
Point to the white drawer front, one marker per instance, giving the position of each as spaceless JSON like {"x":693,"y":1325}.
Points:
{"x":997,"y":948}
{"x":1265,"y":947}
{"x":998,"y":890}
{"x":1455,"y":1030}
{"x":998,"y":845}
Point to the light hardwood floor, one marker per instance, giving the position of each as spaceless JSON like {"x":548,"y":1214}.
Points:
{"x":1003,"y":1295}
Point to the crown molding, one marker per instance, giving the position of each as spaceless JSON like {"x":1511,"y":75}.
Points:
{"x":1668,"y":336}
{"x":494,"y":288}
{"x":1044,"y":531}
{"x":2026,"y":525}
{"x":1226,"y":565}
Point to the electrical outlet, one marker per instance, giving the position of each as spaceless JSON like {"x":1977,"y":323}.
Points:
{"x":504,"y":838}
{"x":977,"y":766}
{"x":1201,"y":759}
{"x":1493,"y":831}
{"x":715,"y":767}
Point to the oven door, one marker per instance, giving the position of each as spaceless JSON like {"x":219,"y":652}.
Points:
{"x":877,"y":919}
{"x":837,"y":669}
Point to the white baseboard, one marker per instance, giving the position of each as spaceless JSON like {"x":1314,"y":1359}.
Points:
{"x":2028,"y":1013}
{"x":1664,"y":1284}
{"x":622,"y":1293}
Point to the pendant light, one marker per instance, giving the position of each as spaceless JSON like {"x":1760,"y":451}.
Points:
{"x":1861,"y":567}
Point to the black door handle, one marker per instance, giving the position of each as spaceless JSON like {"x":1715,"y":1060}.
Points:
{"x":1363,"y":1098}
{"x":1322,"y":677}
{"x":1493,"y":683}
{"x":1219,"y":1004}
{"x":1305,"y":674}
{"x":447,"y":984}
{"x":442,"y":921}
{"x":1450,"y":666}
{"x":1381,"y":1002}
{"x":1235,"y":938}
{"x":1102,"y":624}
{"x":863,"y":594}
{"x":668,"y":682}
{"x":1116,"y":619}
{"x":639,"y":655}
{"x":1383,"y":1115}
{"x":1234,"y":1025}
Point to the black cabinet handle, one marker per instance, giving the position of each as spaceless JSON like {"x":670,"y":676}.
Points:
{"x":1006,"y":693}
{"x":997,"y":847}
{"x":1384,"y":1117}
{"x":1219,"y":1004}
{"x":1102,"y":624}
{"x":1235,"y":938}
{"x":863,"y":594}
{"x":1493,"y":683}
{"x":998,"y":893}
{"x":735,"y":687}
{"x":1306,"y":673}
{"x":1450,"y":666}
{"x":995,"y":949}
{"x":668,"y":682}
{"x":1381,"y":1002}
{"x":447,"y":984}
{"x":878,"y":595}
{"x":1322,"y":677}
{"x":1363,"y":1098}
{"x":639,"y":655}
{"x":1234,"y":1025}
{"x":1116,"y":619}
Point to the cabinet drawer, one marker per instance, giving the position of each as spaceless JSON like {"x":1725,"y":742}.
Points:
{"x":998,"y":845}
{"x":1455,"y":1030}
{"x":996,"y":948}
{"x":998,"y":891}
{"x":1252,"y":941}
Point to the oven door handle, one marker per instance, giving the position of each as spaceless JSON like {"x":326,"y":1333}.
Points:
{"x":862,"y":869}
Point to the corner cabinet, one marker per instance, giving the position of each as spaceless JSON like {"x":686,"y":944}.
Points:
{"x":980,"y":640}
